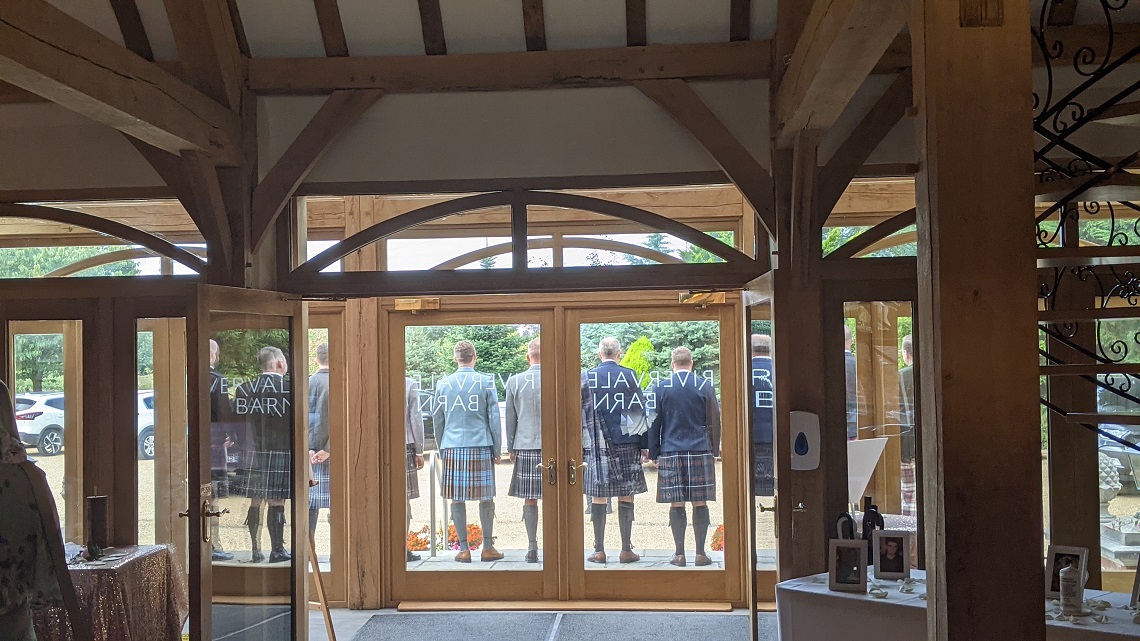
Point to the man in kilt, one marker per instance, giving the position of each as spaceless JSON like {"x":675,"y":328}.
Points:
{"x":524,"y":442}
{"x":319,"y":495}
{"x":413,"y":450}
{"x":221,"y":413}
{"x":906,"y":429}
{"x":467,"y":431}
{"x":614,"y":446}
{"x":684,"y":440}
{"x":268,"y":467}
{"x":763,"y":414}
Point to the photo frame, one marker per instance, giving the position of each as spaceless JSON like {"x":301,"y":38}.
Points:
{"x":892,"y":554}
{"x":1056,"y":559}
{"x":847,"y":565}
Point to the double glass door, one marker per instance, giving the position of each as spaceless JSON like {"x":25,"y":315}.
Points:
{"x":535,"y":449}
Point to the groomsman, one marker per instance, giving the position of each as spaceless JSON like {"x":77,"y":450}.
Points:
{"x":466,"y":426}
{"x":614,"y":446}
{"x":524,"y":442}
{"x":763,"y":410}
{"x":684,"y":440}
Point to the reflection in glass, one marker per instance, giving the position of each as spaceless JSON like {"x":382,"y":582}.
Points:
{"x":659,"y":398}
{"x":763,"y":396}
{"x":473,"y":391}
{"x":320,"y":448}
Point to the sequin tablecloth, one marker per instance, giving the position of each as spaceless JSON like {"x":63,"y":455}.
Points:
{"x":139,"y":597}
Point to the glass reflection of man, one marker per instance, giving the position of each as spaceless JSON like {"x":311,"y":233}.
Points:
{"x":264,"y":402}
{"x":763,"y":411}
{"x":467,"y":429}
{"x":319,"y":495}
{"x":221,"y":413}
{"x":524,"y":442}
{"x":413,"y":451}
{"x":615,"y":445}
{"x":906,"y":429}
{"x":852,"y":385}
{"x":684,"y":440}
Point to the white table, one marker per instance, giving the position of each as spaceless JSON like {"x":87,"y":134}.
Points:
{"x":808,"y":611}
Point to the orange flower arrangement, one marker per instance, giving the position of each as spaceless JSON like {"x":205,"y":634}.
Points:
{"x":419,"y":540}
{"x":718,"y":539}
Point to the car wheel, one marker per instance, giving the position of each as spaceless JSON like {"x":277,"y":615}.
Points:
{"x":146,"y":444}
{"x":51,"y":441}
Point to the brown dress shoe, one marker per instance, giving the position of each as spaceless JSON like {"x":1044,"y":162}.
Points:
{"x":629,"y":556}
{"x":490,"y":554}
{"x":464,"y":556}
{"x":678,"y":560}
{"x":597,"y":557}
{"x":701,"y":559}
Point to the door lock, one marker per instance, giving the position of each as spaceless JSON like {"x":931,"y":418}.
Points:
{"x":572,"y":471}
{"x":551,"y":471}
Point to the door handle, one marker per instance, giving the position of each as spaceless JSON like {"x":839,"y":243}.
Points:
{"x":763,"y":508}
{"x":207,"y":514}
{"x":572,"y":467}
{"x":551,"y":471}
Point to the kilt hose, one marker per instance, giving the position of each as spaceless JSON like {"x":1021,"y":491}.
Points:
{"x":319,"y":495}
{"x":686,"y":476}
{"x":412,"y":477}
{"x":909,"y":488}
{"x":265,"y":475}
{"x":615,"y":471}
{"x":764,"y":470}
{"x":527,"y":477}
{"x":468,"y":474}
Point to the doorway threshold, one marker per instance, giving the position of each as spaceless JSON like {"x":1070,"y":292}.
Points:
{"x":561,"y":606}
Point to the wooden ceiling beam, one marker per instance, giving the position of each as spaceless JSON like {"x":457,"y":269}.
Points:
{"x":239,"y":28}
{"x":211,"y":217}
{"x":431,"y":21}
{"x":207,"y":48}
{"x":682,"y":103}
{"x":740,"y":21}
{"x":507,"y":71}
{"x":534,"y":25}
{"x":131,"y":25}
{"x":47,"y":52}
{"x":339,"y":112}
{"x":635,"y":24}
{"x":842,"y":42}
{"x":332,"y":28}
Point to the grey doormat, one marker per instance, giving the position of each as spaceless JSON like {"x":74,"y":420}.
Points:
{"x":567,"y":626}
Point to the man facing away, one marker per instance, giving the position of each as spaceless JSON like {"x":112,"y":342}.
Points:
{"x":615,"y":446}
{"x":524,"y":442}
{"x":684,"y":440}
{"x":264,"y":402}
{"x":319,"y":495}
{"x":906,"y":429}
{"x":221,"y":413}
{"x":413,"y":451}
{"x":852,"y":385}
{"x":763,"y":408}
{"x":466,"y":426}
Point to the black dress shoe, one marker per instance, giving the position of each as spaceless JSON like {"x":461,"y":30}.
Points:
{"x":412,"y":556}
{"x":221,"y":555}
{"x":279,"y":556}
{"x":257,"y":557}
{"x":532,"y":556}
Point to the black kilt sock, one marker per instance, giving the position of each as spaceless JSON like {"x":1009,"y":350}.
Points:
{"x":677,"y":524}
{"x":275,"y":522}
{"x":314,"y":514}
{"x":625,"y":524}
{"x":598,"y":516}
{"x":700,"y":526}
{"x":253,"y":522}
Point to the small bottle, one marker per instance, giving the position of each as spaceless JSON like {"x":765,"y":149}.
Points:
{"x":1072,"y":592}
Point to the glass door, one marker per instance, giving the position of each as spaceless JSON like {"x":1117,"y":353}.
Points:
{"x":248,"y":464}
{"x":657,"y":497}
{"x":470,"y":451}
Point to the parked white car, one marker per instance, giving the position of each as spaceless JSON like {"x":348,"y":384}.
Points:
{"x":40,"y":421}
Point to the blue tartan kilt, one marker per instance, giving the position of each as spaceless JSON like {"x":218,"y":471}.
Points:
{"x":686,"y":476}
{"x":764,"y":470}
{"x":468,"y":474}
{"x":265,"y":475}
{"x":527,"y":478}
{"x":613,"y":471}
{"x":411,"y":472}
{"x":319,"y":494}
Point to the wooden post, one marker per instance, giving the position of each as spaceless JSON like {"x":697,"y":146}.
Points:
{"x":977,"y":297}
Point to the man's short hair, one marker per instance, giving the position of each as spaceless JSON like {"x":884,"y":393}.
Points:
{"x":533,"y":349}
{"x":609,"y":347}
{"x":682,"y":356}
{"x":464,"y":352}
{"x":268,"y":356}
{"x":761,"y":344}
{"x":323,"y":354}
{"x":908,"y":345}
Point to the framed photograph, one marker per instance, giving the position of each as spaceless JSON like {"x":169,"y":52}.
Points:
{"x":847,"y":565}
{"x":892,"y":554}
{"x":1060,"y":556}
